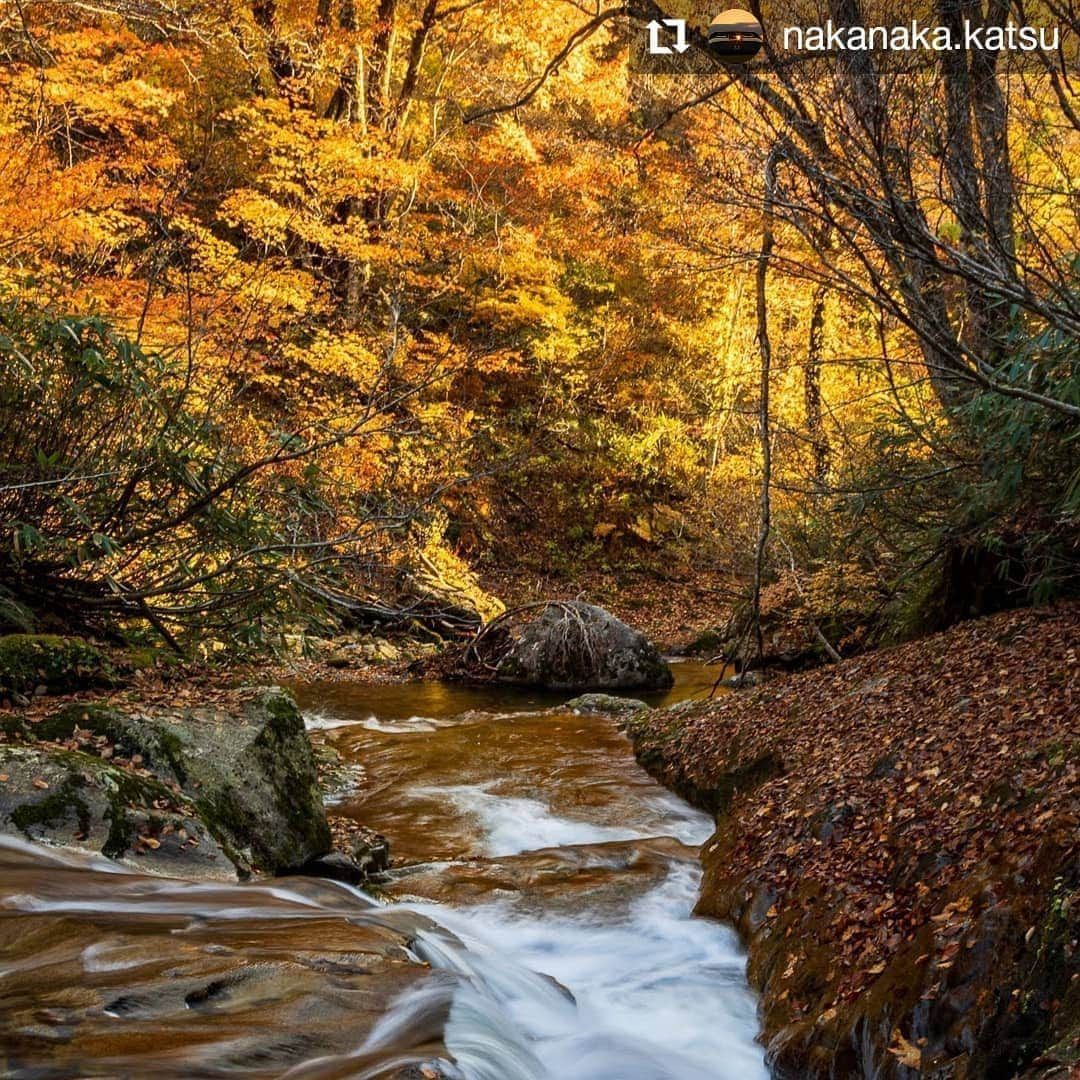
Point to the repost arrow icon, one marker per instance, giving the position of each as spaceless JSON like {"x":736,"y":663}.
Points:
{"x":655,"y":48}
{"x":679,"y":25}
{"x":655,"y":27}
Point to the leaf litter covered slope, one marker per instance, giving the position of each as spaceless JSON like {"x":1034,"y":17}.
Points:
{"x":897,"y":841}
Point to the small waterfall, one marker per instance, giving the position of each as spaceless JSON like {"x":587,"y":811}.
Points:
{"x":657,"y":995}
{"x":484,"y":1014}
{"x":541,"y":929}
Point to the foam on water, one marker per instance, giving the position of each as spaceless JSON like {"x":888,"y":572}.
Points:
{"x":512,"y":825}
{"x":323,"y":721}
{"x":317,"y":720}
{"x":656,"y":993}
{"x":680,"y":819}
{"x":649,"y":993}
{"x":409,"y":725}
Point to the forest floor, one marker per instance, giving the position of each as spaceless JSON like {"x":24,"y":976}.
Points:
{"x":898,"y":843}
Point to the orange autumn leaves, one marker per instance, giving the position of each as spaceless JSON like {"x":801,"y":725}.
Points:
{"x":543,"y":288}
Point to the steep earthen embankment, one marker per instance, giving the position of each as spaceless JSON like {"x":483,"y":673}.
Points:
{"x":897,"y":842}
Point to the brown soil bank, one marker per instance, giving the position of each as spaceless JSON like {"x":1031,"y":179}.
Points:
{"x":897,"y":841}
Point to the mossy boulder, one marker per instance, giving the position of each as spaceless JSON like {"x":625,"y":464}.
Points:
{"x":60,"y":664}
{"x":248,"y":772}
{"x":68,"y":797}
{"x":253,"y":780}
{"x":576,"y":646}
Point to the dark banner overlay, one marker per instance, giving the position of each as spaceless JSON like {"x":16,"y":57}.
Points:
{"x":682,"y":39}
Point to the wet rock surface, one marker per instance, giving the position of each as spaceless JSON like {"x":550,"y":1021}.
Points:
{"x":335,"y":865}
{"x":219,"y":792}
{"x":128,"y":975}
{"x":605,"y":703}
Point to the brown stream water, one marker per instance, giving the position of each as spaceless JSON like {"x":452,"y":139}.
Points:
{"x":536,"y":924}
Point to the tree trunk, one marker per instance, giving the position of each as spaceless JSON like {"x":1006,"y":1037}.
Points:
{"x":764,"y":429}
{"x":991,"y":123}
{"x":382,"y":62}
{"x":812,"y":387}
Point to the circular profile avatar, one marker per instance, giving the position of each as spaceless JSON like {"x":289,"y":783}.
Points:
{"x":735,"y":36}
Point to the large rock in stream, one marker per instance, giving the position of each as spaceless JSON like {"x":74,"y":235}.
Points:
{"x":577,"y":646}
{"x":195,"y":791}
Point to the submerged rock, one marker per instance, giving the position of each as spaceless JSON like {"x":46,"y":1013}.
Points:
{"x":247,"y":775}
{"x":337,"y":866}
{"x":131,"y":975}
{"x":576,"y":646}
{"x":605,"y":703}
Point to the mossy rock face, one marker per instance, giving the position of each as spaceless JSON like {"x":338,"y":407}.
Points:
{"x":708,"y":643}
{"x":254,"y":781}
{"x":250,"y":774}
{"x":14,"y":728}
{"x":160,"y":740}
{"x":67,"y":797}
{"x":606,"y":703}
{"x":60,"y":664}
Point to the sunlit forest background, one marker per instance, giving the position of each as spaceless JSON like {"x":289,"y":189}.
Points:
{"x":314,"y":308}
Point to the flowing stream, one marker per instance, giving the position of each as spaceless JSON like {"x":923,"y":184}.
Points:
{"x":545,"y":879}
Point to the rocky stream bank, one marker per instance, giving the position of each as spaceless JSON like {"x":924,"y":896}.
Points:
{"x":896,"y":835}
{"x":176,"y":771}
{"x":897,"y":843}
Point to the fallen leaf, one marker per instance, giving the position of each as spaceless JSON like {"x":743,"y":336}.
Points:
{"x":905,"y":1052}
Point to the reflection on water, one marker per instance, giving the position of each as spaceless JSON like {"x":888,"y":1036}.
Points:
{"x":333,"y":703}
